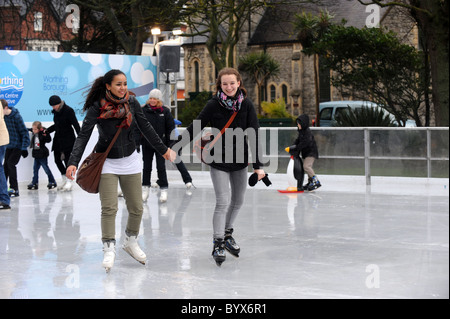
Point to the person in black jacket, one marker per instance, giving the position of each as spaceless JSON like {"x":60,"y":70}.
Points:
{"x":162,"y":121}
{"x":306,"y":147}
{"x":109,"y":105}
{"x":65,"y":122}
{"x":40,"y":154}
{"x":230,"y":155}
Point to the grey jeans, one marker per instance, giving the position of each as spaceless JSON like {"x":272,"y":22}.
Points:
{"x":229,"y":188}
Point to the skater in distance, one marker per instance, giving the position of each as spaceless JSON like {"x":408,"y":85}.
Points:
{"x":65,"y":122}
{"x":306,"y":147}
{"x":110,"y":105}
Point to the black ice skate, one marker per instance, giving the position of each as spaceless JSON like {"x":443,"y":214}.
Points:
{"x":230,"y":243}
{"x":218,"y":252}
{"x":32,"y":186}
{"x":51,"y":185}
{"x":308,"y":184}
{"x":315,"y":184}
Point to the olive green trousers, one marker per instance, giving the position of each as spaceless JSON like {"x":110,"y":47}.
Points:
{"x":131,"y":186}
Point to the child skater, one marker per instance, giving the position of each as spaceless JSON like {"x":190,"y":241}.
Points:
{"x":306,"y":145}
{"x":40,"y":154}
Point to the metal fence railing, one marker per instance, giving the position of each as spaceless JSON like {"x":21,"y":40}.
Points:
{"x":368,"y":151}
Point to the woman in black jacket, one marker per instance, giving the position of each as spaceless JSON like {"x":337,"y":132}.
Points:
{"x":162,"y":121}
{"x":109,"y":105}
{"x":229,"y":156}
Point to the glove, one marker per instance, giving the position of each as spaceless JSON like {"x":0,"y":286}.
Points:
{"x":24,"y":153}
{"x":253,"y":179}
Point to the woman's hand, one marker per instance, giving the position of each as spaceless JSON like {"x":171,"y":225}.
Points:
{"x":260,"y":173}
{"x":170,"y":155}
{"x":71,"y":171}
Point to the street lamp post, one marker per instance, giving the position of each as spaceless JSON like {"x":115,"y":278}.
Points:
{"x":161,"y":66}
{"x":155,"y":32}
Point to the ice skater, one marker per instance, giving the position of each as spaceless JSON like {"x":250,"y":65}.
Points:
{"x":162,"y":121}
{"x":109,"y":105}
{"x":5,"y":200}
{"x":40,"y":154}
{"x":306,"y":147}
{"x":65,"y":123}
{"x":19,"y":140}
{"x":228,"y":173}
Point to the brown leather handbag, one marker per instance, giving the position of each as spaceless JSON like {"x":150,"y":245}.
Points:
{"x":88,"y":175}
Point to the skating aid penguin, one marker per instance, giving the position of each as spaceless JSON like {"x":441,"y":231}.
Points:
{"x":295,"y":172}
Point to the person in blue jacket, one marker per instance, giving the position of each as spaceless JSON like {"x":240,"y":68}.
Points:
{"x":19,"y":140}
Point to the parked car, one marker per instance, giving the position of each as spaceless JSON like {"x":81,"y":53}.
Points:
{"x":329,"y":111}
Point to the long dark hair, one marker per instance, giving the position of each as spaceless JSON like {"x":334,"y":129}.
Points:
{"x":98,"y":89}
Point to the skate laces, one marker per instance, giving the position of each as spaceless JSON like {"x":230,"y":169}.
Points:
{"x":219,"y":247}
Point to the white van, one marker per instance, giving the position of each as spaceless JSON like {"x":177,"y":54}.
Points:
{"x":329,"y":111}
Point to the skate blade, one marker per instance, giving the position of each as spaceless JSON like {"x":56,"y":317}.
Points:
{"x":139,"y":261}
{"x":219,"y":262}
{"x":232,"y":253}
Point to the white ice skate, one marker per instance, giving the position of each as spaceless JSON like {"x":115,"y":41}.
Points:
{"x":132,"y":248}
{"x":63,"y":182}
{"x":145,"y":192}
{"x":155,"y":185}
{"x":67,"y":186}
{"x":109,"y":255}
{"x":163,"y":196}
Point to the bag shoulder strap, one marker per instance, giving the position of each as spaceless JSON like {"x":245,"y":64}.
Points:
{"x":223,"y":130}
{"x":113,"y":140}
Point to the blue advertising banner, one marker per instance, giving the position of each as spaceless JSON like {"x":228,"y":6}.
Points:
{"x":29,"y":78}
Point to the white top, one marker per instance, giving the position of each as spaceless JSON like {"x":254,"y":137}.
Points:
{"x":123,"y":166}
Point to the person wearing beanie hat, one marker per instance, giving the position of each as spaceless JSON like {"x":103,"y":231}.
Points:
{"x":65,"y":125}
{"x":162,"y":121}
{"x":54,"y":100}
{"x":155,"y":94}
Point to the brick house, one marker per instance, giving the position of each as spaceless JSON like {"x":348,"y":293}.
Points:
{"x":274,"y":33}
{"x":38,"y":26}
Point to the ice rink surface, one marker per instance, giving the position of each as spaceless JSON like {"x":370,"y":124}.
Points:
{"x":346,"y":240}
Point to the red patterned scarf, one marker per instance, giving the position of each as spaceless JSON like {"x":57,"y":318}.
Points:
{"x":111,"y":107}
